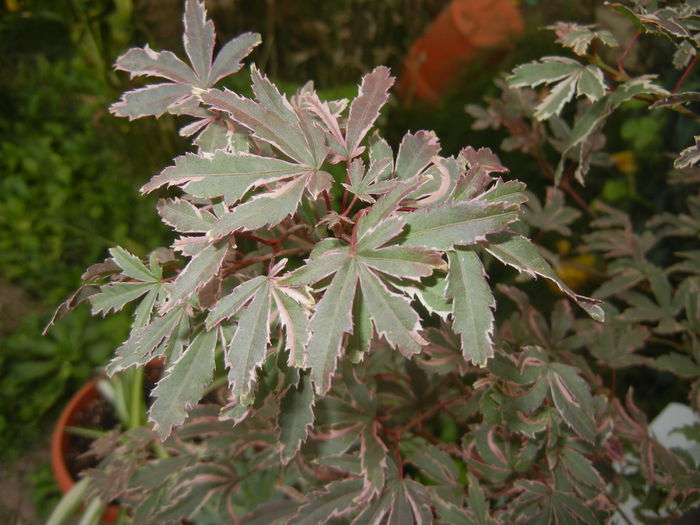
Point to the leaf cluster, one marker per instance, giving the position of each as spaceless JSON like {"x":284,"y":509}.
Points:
{"x":327,"y":316}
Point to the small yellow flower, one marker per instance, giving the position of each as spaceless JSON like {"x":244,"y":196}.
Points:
{"x":626,"y":162}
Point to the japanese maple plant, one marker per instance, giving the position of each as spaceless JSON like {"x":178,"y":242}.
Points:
{"x":334,"y":294}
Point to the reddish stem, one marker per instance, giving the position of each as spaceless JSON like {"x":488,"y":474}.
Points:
{"x":327,"y":199}
{"x":685,"y":74}
{"x":348,"y":208}
{"x":247,"y":235}
{"x":620,"y":64}
{"x":247,"y":262}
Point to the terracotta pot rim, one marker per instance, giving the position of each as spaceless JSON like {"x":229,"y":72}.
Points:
{"x":60,"y":441}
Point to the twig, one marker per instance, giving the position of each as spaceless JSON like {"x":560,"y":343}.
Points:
{"x":620,"y":64}
{"x":685,"y":74}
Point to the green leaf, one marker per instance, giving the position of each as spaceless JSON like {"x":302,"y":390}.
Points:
{"x":295,"y":319}
{"x":198,"y":38}
{"x":139,"y":348}
{"x":456,"y":224}
{"x":436,"y":464}
{"x":184,"y":216}
{"x":115,"y":295}
{"x":579,"y":37}
{"x":404,"y":262}
{"x":518,"y":252}
{"x":679,"y":364}
{"x":268,"y":125}
{"x":556,"y":99}
{"x":145,"y":61}
{"x":580,"y":468}
{"x":364,"y":109}
{"x":183,"y":384}
{"x":132,"y":266}
{"x":544,"y":71}
{"x":246,"y":351}
{"x":361,"y":337}
{"x":336,"y":499}
{"x":373,"y":228}
{"x":201,"y":269}
{"x":472,"y":305}
{"x":573,"y":400}
{"x":228,"y":60}
{"x":229,"y":305}
{"x":333,"y":319}
{"x":223,"y":174}
{"x":416,"y":152}
{"x":267,"y":209}
{"x":373,"y":454}
{"x":317,"y":268}
{"x":296,"y":417}
{"x":151,"y":101}
{"x":391,"y":314}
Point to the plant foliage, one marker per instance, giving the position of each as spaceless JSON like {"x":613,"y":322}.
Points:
{"x":342,"y":291}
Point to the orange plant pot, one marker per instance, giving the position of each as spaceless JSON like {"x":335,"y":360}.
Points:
{"x":61,"y":441}
{"x":458,"y":35}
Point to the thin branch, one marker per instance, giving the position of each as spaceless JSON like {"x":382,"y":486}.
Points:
{"x":685,"y":74}
{"x":620,"y":64}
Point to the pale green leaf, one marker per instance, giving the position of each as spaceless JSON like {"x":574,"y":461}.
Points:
{"x":456,"y":224}
{"x":380,"y":234}
{"x":145,"y":61}
{"x":431,"y":293}
{"x":223,"y":174}
{"x":228,"y":59}
{"x":555,"y":100}
{"x":270,"y":98}
{"x":472,"y":305}
{"x":373,"y":455}
{"x":545,"y":71}
{"x":296,"y":417}
{"x":183,"y":384}
{"x":267,"y":209}
{"x":184,"y":216}
{"x":142,"y":314}
{"x":246,"y":351}
{"x":361,"y":337}
{"x":384,"y":208}
{"x":131,"y":265}
{"x":364,"y":109}
{"x":518,"y":252}
{"x":391,"y":315}
{"x":150,"y":101}
{"x":404,"y":262}
{"x":591,"y":83}
{"x":580,"y":468}
{"x":198,"y":38}
{"x":573,"y":399}
{"x":284,"y":134}
{"x":140,"y":347}
{"x":199,"y":271}
{"x":333,"y":319}
{"x":316,"y":269}
{"x":335,"y":499}
{"x":416,"y":152}
{"x":229,"y":305}
{"x":115,"y":295}
{"x":578,"y":37}
{"x":295,"y":319}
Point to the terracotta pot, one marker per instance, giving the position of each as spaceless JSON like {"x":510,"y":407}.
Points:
{"x":61,"y":441}
{"x":461,"y":32}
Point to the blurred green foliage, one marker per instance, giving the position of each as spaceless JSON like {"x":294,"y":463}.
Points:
{"x":69,"y":179}
{"x":38,"y":373}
